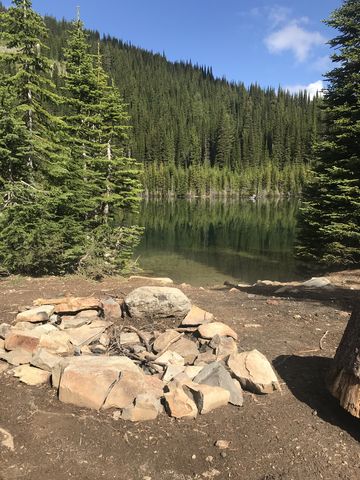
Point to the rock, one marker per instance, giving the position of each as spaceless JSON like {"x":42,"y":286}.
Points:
{"x":317,"y":282}
{"x":44,"y":360}
{"x":6,"y":439}
{"x":104,"y":340}
{"x":43,"y":329}
{"x":128,"y":338}
{"x":170,"y":358}
{"x":196,"y":317}
{"x":164,"y":339}
{"x":87,"y":333}
{"x":179,"y":405}
{"x":216,"y":375}
{"x":146,"y":408}
{"x":162,"y":280}
{"x":3,"y":367}
{"x":2,"y":344}
{"x":254,"y":372}
{"x":4,"y":330}
{"x":73,"y":322}
{"x":26,"y":340}
{"x":272,"y":301}
{"x":91,"y":315}
{"x":87,"y":386}
{"x":73,"y":304}
{"x":154,"y":385}
{"x":125,"y":390}
{"x":35,"y":315}
{"x":24,"y":326}
{"x":87,"y":361}
{"x":172,"y":371}
{"x":205,"y":358}
{"x":216,"y":328}
{"x":193,"y":370}
{"x":186,"y":348}
{"x":222,"y":444}
{"x":157,"y":302}
{"x":31,"y":375}
{"x":207,"y":397}
{"x":56,"y":342}
{"x":17,"y":357}
{"x":112,"y":310}
{"x":223,"y":346}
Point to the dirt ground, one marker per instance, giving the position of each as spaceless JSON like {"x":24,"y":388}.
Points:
{"x":298,"y":434}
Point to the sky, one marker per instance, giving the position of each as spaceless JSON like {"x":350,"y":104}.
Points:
{"x":267,"y":42}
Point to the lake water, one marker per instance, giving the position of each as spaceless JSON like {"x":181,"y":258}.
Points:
{"x":205,"y":242}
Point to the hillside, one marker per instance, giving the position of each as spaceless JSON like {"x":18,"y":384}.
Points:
{"x":197,"y":134}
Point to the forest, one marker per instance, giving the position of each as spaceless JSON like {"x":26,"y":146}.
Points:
{"x":200,"y":135}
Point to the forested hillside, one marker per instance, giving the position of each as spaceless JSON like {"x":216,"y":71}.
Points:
{"x":200,"y":135}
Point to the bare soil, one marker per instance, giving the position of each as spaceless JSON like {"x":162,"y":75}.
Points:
{"x":298,"y":434}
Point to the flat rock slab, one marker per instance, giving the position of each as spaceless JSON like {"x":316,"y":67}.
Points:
{"x":157,"y":302}
{"x":186,"y":348}
{"x":161,"y":280}
{"x":223,"y":346}
{"x":35,"y":315}
{"x":74,"y":304}
{"x":209,"y":330}
{"x":31,"y":376}
{"x":87,"y":386}
{"x":254,"y":372}
{"x":85,"y":361}
{"x":216,"y":375}
{"x":25,"y":340}
{"x":196,"y":317}
{"x":170,"y":358}
{"x":16,"y":357}
{"x":87,"y":333}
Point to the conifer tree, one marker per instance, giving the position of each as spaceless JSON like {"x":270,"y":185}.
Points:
{"x":109,"y":184}
{"x":34,"y":167}
{"x":330,"y":216}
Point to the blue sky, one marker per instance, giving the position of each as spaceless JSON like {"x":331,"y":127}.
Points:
{"x":264,"y":41}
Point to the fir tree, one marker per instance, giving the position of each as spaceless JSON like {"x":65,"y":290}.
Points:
{"x":109,"y":184}
{"x":330,"y":216}
{"x":34,"y":168}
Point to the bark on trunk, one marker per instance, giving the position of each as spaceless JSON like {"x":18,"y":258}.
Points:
{"x":344,"y":377}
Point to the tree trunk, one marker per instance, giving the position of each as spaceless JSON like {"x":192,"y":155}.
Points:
{"x":344,"y":377}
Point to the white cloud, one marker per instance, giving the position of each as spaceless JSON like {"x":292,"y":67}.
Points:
{"x":295,"y":38}
{"x":312,"y":88}
{"x":278,"y":15}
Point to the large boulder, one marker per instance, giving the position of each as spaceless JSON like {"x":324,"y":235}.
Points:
{"x":157,"y":302}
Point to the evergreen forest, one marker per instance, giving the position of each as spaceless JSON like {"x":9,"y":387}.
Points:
{"x":200,"y":135}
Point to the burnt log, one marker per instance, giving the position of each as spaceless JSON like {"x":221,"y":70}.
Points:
{"x":344,"y":377}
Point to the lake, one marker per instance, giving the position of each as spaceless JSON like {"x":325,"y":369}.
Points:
{"x":205,"y":242}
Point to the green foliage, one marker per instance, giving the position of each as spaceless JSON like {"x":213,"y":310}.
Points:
{"x":63,"y":180}
{"x":184,"y":118}
{"x":330,"y":215}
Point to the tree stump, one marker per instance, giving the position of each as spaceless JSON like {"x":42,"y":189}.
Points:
{"x":344,"y":376}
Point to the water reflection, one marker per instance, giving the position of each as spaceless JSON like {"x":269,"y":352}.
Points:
{"x":206,"y":242}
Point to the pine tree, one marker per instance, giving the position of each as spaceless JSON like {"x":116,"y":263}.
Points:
{"x":34,"y":168}
{"x":108,"y":179}
{"x":330,"y":216}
